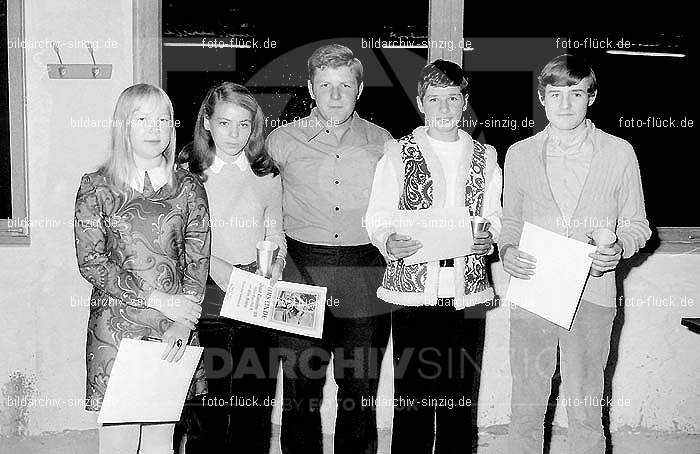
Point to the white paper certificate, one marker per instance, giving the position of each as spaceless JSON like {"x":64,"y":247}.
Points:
{"x":445,"y":233}
{"x":286,"y":306}
{"x":144,"y":388}
{"x":561,"y":271}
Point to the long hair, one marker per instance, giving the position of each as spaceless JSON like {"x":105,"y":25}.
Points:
{"x":199,"y":154}
{"x":120,"y":167}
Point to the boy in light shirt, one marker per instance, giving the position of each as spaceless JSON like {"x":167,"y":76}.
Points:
{"x":571,"y":178}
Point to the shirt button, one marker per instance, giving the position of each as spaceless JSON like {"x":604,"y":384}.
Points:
{"x":336,"y":182}
{"x":337,"y":156}
{"x":337,"y":208}
{"x":336,"y":235}
{"x":328,"y":131}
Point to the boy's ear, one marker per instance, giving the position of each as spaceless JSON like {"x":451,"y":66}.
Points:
{"x":310,"y":86}
{"x":359,"y":91}
{"x":466,"y":100}
{"x":419,"y":102}
{"x":207,"y":125}
{"x":591,"y":98}
{"x":541,"y":98}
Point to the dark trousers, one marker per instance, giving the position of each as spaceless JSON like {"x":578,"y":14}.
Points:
{"x":240,"y":363}
{"x":435,"y":362}
{"x":356,"y":332}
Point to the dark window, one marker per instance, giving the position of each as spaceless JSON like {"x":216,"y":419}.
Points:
{"x":649,"y":90}
{"x":5,"y":156}
{"x":277,"y":76}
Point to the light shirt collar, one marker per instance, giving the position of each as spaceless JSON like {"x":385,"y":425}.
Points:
{"x":462,"y":137}
{"x":157,"y":176}
{"x":241,"y":161}
{"x":563,"y":144}
{"x":317,"y":124}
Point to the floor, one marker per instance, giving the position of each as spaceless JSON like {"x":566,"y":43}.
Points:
{"x":491,"y":441}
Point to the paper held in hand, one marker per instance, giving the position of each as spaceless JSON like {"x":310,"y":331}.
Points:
{"x":145,"y":388}
{"x":290,"y":307}
{"x":445,"y":233}
{"x":560,"y":275}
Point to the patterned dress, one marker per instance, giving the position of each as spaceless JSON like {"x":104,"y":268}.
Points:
{"x":127,"y":245}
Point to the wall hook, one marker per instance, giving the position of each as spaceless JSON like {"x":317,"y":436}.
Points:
{"x":61,"y":69}
{"x":77,"y":70}
{"x":95,"y":68}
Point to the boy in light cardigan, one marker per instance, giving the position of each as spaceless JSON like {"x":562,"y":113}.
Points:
{"x":571,"y":178}
{"x":436,"y":166}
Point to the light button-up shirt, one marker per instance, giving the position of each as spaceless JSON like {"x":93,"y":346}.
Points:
{"x":326,"y":180}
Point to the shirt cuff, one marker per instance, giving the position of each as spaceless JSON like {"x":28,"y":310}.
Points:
{"x":502,"y":249}
{"x":629,"y":245}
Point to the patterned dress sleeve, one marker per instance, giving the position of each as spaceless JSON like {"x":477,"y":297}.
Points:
{"x":197,"y":238}
{"x":95,"y":265}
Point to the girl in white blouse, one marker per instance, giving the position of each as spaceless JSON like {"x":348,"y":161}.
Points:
{"x":245,"y":195}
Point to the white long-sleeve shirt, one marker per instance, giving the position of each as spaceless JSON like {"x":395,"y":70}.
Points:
{"x":386,"y":190}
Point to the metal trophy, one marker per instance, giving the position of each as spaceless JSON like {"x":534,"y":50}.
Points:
{"x":267,"y":253}
{"x":480,"y":224}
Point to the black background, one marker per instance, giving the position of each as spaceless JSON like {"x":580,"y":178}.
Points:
{"x":629,"y":86}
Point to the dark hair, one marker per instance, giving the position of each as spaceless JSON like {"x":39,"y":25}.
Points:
{"x":199,"y":154}
{"x":334,"y":56}
{"x":442,"y":73}
{"x":564,"y":71}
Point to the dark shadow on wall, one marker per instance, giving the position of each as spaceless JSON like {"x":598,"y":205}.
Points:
{"x":623,"y":271}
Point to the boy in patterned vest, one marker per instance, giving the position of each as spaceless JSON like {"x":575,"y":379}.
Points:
{"x":436,"y":166}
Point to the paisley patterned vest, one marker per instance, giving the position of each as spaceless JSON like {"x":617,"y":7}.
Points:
{"x":417,"y":193}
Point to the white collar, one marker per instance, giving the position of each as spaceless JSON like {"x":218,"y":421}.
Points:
{"x":156,"y":175}
{"x":461,"y":139}
{"x":218,"y":164}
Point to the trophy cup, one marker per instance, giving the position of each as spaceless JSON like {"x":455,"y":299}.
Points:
{"x":267,"y":253}
{"x":480,"y":224}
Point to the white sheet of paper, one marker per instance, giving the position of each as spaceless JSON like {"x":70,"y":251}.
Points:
{"x":144,"y":388}
{"x":560,"y":274}
{"x":445,"y":233}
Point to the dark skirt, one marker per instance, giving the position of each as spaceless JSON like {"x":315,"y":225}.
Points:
{"x":241,"y":369}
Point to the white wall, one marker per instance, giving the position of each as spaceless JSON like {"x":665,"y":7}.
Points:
{"x":42,"y":331}
{"x":41,"y":334}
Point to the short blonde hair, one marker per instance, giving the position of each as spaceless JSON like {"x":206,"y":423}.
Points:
{"x":334,"y":56}
{"x":120,"y":166}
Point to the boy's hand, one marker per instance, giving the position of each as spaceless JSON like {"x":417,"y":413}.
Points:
{"x":606,"y":258}
{"x":401,"y":246}
{"x":518,"y":263}
{"x":482,"y":242}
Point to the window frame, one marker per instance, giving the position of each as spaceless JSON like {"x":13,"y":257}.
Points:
{"x":14,"y":231}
